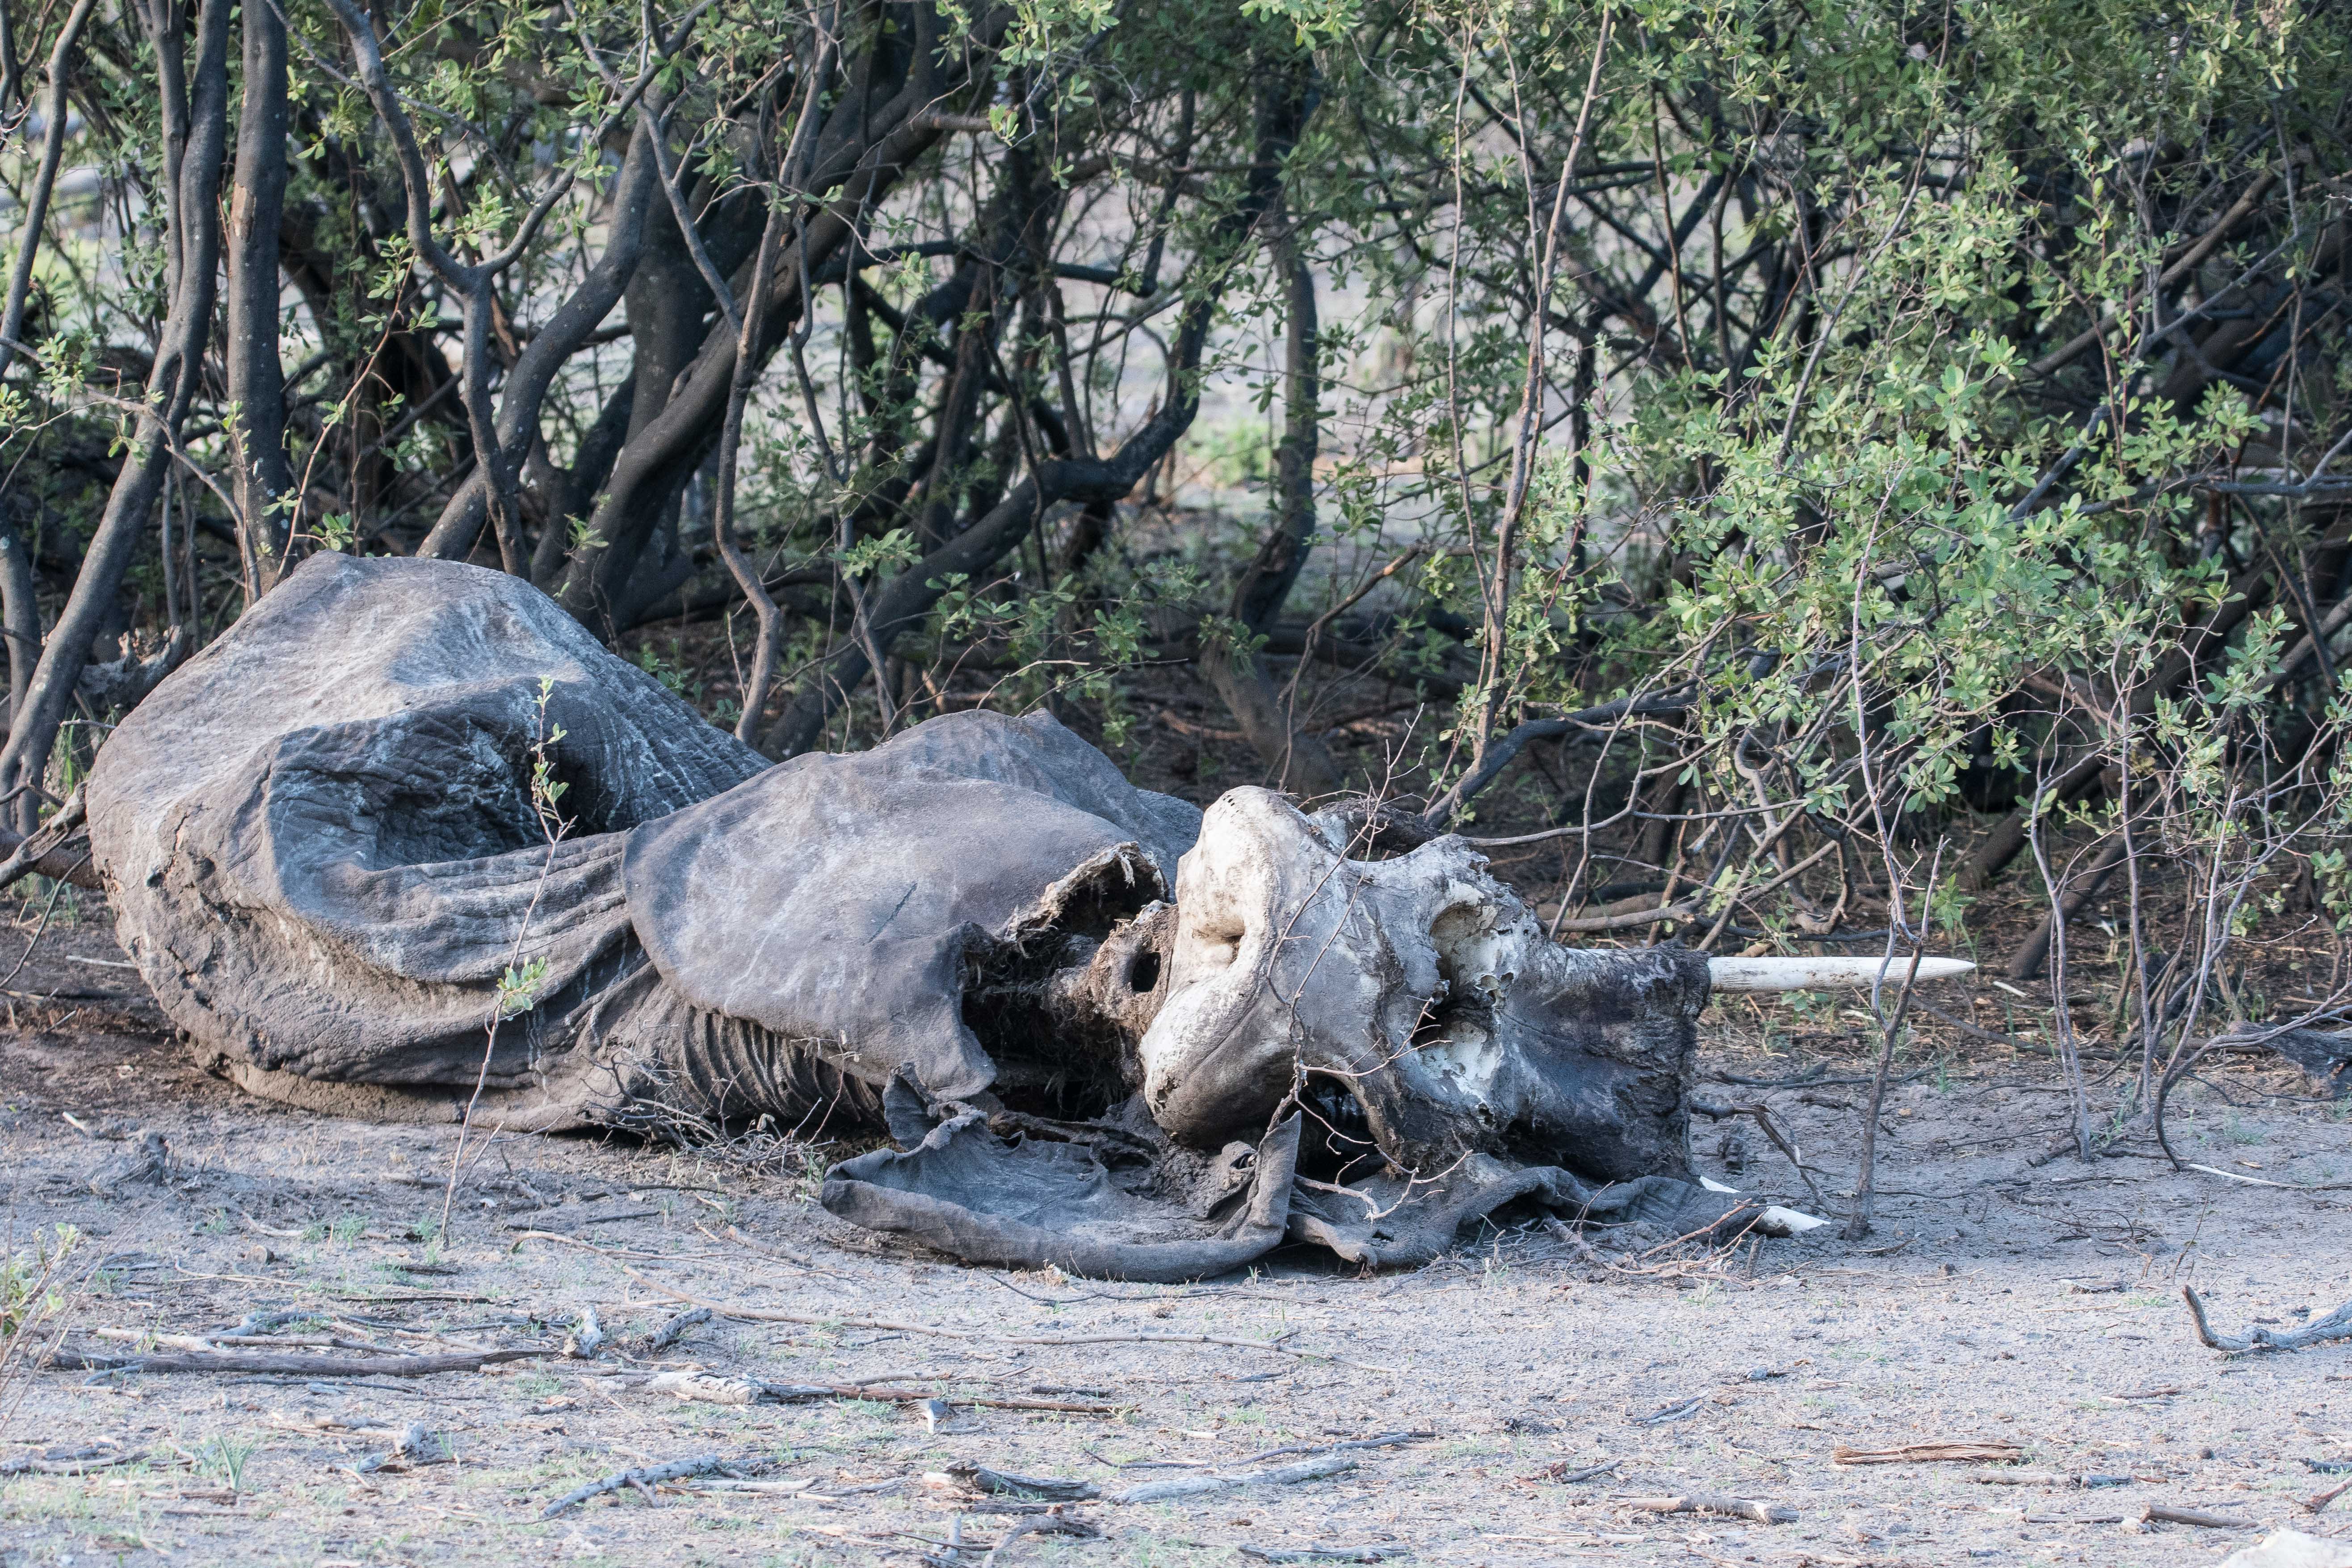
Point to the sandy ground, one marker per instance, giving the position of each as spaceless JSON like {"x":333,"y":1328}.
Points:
{"x":1998,"y":1301}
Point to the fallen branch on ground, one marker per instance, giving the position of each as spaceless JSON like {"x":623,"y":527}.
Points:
{"x":1040,"y":1524}
{"x":1714,"y":1502}
{"x":2319,"y":1500}
{"x":670,"y":1333}
{"x":1034,"y":1489}
{"x":2336,"y":1325}
{"x":79,"y":1461}
{"x":708,"y":1389}
{"x":1197,"y":1486}
{"x":292,"y":1365}
{"x":643,"y":1478}
{"x":1378,"y":1440}
{"x":2089,"y":1479}
{"x":2161,"y":1513}
{"x":1560,"y":1475}
{"x":1995,"y":1453}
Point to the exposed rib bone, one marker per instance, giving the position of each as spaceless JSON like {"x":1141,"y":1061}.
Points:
{"x":1804,"y":973}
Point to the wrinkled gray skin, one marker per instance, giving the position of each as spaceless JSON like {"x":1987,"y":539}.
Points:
{"x":323,"y":848}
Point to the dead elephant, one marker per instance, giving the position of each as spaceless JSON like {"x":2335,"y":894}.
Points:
{"x":1109,"y":1032}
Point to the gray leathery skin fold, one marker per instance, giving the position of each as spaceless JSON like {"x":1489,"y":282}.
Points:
{"x":842,"y":897}
{"x":319,"y":839}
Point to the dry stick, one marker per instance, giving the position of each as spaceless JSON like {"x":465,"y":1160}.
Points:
{"x":716,"y":1390}
{"x":1716,"y":1502}
{"x":1021,"y":1527}
{"x":1494,"y":607}
{"x":1996,"y":1453}
{"x":791,"y":1392}
{"x":670,"y":1333}
{"x":769,"y":1315}
{"x":2062,"y":1019}
{"x":542,"y":800}
{"x":2164,"y":1513}
{"x":1586,"y":1474}
{"x":1378,"y":1440}
{"x":1196,"y":1486}
{"x":2030,"y":1048}
{"x":2336,"y":1325}
{"x":644,"y":1477}
{"x":2319,"y":1500}
{"x":86,"y":1462}
{"x":292,"y":1365}
{"x":38,"y":932}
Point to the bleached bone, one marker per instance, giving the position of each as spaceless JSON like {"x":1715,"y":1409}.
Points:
{"x":1805,"y":973}
{"x":1775,"y":1220}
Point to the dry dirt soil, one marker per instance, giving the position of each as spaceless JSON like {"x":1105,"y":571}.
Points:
{"x":1999,"y":1301}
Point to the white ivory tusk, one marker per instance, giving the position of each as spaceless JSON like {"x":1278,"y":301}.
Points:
{"x":1804,"y":973}
{"x":1775,"y":1220}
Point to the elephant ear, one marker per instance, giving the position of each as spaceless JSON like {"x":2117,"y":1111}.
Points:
{"x":896,"y":909}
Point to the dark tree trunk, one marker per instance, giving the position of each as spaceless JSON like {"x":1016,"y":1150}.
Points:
{"x":20,"y":615}
{"x":195,"y":138}
{"x":257,"y":381}
{"x":516,"y":428}
{"x":904,"y":602}
{"x":874,"y":132}
{"x":1300,"y":760}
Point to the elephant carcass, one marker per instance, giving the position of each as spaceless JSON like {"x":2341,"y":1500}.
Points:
{"x":326,"y":853}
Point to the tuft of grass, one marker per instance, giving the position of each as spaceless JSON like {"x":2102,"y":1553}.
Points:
{"x":225,"y":1455}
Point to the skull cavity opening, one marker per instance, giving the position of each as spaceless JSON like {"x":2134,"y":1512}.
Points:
{"x":1456,"y":1033}
{"x":1059,"y":1001}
